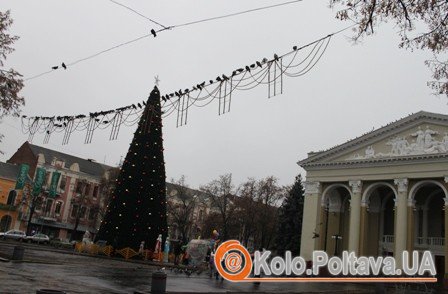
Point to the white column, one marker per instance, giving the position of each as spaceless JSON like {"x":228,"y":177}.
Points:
{"x":401,"y":219}
{"x":425,"y":223}
{"x":355,"y":216}
{"x":310,"y":218}
{"x":445,"y":277}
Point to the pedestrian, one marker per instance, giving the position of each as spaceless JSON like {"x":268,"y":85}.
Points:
{"x":261,"y":250}
{"x":177,"y":253}
{"x":142,"y":248}
{"x":186,"y":258}
{"x":213,"y":269}
{"x":86,"y":238}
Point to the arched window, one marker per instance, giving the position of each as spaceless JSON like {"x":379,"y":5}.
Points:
{"x":5,"y":223}
{"x":12,"y":197}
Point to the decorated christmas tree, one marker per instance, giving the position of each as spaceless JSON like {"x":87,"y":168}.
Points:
{"x":137,"y":209}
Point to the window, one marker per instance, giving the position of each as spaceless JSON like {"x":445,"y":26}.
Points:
{"x":12,"y":197}
{"x":92,"y":213}
{"x":47,"y":178}
{"x":83,"y":212}
{"x":63,"y":183}
{"x":75,"y":208}
{"x":5,"y":223}
{"x":39,"y":202}
{"x":78,"y":189}
{"x":95,"y":191}
{"x":87,"y":189}
{"x":48,"y":206}
{"x":57,"y":209}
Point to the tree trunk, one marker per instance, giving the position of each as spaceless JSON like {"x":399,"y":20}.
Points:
{"x":28,"y":227}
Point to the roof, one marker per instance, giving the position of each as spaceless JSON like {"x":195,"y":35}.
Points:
{"x":314,"y":157}
{"x":9,"y":171}
{"x":85,"y":165}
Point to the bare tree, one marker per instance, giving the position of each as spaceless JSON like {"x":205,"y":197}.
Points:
{"x":422,"y":25}
{"x":269,"y":198}
{"x":107,"y":187}
{"x":180,"y":206}
{"x":10,"y":80}
{"x":222,"y":196}
{"x":247,"y":209}
{"x":81,"y":201}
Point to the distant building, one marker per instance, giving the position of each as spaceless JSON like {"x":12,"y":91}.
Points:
{"x":78,"y":192}
{"x":10,"y":199}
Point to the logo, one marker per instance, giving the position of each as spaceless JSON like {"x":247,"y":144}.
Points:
{"x":234,"y":263}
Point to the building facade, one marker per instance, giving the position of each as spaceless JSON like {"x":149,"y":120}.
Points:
{"x":78,"y":199}
{"x":10,"y":198}
{"x":381,"y":193}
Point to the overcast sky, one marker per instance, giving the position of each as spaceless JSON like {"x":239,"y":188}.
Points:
{"x":352,"y":90}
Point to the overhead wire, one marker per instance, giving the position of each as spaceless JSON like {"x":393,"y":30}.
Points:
{"x":234,"y":14}
{"x":164,"y":28}
{"x":138,"y":13}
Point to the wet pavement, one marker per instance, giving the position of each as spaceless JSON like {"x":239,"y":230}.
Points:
{"x":47,"y":268}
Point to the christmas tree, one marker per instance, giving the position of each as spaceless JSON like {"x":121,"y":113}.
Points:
{"x":137,"y":209}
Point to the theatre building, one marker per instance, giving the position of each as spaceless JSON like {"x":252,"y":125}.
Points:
{"x":381,"y":193}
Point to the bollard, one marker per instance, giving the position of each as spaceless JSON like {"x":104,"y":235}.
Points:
{"x":17,"y":254}
{"x":158,"y":283}
{"x":49,"y":291}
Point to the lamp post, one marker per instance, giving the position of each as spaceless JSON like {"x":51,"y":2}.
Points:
{"x":336,"y":238}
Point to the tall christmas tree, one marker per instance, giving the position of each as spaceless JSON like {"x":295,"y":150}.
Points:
{"x":137,"y":209}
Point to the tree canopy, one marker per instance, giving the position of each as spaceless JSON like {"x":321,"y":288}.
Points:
{"x":290,"y":220}
{"x":422,"y":24}
{"x":10,"y":80}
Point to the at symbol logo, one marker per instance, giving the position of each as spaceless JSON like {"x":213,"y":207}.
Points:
{"x":233,"y":261}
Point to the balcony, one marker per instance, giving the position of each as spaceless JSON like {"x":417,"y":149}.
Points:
{"x":388,"y":239}
{"x":8,"y":207}
{"x":386,"y":244}
{"x":429,"y":241}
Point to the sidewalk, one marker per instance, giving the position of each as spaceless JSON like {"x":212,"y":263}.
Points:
{"x":82,"y":273}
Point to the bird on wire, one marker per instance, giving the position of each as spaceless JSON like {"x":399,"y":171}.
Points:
{"x":153,"y":33}
{"x":64,"y":66}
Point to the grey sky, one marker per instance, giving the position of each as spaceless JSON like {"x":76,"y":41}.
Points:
{"x":350,"y":91}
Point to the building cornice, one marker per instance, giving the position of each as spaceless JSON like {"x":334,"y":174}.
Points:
{"x":398,"y":160}
{"x":381,"y":133}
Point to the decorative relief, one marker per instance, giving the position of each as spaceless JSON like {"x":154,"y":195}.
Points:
{"x":312,"y":188}
{"x":418,"y":143}
{"x":356,"y":186}
{"x":402,"y":184}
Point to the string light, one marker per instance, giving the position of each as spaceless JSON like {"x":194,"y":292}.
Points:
{"x":270,"y":73}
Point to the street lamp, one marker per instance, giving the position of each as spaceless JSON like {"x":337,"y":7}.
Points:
{"x":337,"y":237}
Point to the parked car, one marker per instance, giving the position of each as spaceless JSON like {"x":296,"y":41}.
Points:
{"x":38,"y":238}
{"x":14,"y":235}
{"x":101,"y":243}
{"x":60,"y":243}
